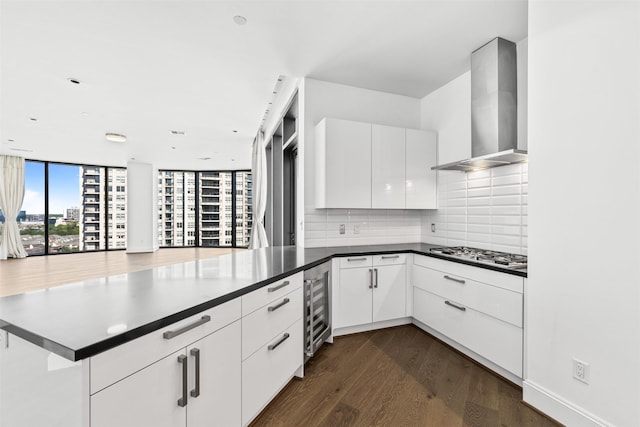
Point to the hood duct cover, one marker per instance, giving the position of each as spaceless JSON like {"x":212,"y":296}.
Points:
{"x":494,"y":109}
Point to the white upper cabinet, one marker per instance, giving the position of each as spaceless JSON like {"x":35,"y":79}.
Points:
{"x":387,"y":167}
{"x":343,"y":164}
{"x":363,"y":165}
{"x":421,"y":152}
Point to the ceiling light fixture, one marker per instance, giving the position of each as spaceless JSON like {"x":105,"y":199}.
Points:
{"x":33,"y":119}
{"x":115,"y":137}
{"x":177,"y":132}
{"x":239,"y":19}
{"x":204,"y":158}
{"x":74,"y":81}
{"x":11,"y":140}
{"x":235,"y":131}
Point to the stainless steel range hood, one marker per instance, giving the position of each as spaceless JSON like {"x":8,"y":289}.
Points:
{"x":494,"y":109}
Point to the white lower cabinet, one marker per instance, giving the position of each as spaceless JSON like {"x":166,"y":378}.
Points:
{"x":370,"y":289}
{"x":481,"y":310}
{"x":164,"y":394}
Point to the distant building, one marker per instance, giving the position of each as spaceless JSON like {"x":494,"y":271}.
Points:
{"x":73,"y":214}
{"x":22,"y":216}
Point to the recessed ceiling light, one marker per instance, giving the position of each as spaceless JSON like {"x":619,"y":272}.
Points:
{"x":115,"y":137}
{"x":239,"y":19}
{"x":84,"y":114}
{"x":173,"y":148}
{"x":33,"y":119}
{"x":235,"y":131}
{"x":11,"y":140}
{"x":132,"y":158}
{"x":73,"y":81}
{"x":177,"y":132}
{"x":233,"y":160}
{"x":204,"y":158}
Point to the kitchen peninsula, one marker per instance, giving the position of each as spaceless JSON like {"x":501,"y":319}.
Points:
{"x":75,"y":327}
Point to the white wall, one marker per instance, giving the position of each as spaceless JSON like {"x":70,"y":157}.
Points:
{"x":142,"y":207}
{"x":583,"y":295}
{"x":322,"y":99}
{"x":484,"y":209}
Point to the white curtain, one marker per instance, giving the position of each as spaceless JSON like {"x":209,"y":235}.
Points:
{"x":11,"y":196}
{"x":259,"y":177}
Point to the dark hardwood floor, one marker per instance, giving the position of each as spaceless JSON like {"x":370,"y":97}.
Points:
{"x":398,"y":376}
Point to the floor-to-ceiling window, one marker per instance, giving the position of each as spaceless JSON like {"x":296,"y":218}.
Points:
{"x":197,"y":208}
{"x":73,"y":208}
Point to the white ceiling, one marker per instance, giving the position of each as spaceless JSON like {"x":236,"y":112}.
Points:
{"x":148,"y":67}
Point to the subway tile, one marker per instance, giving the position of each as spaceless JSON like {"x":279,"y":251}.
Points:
{"x":457,"y":219}
{"x":315,"y":226}
{"x":338,"y":241}
{"x":525,"y":167}
{"x":507,"y":190}
{"x":498,"y":239}
{"x":506,"y":220}
{"x":314,"y":243}
{"x":479,"y":201}
{"x":456,"y":242}
{"x":479,"y":210}
{"x":452,"y":226}
{"x":506,"y":210}
{"x":525,"y":177}
{"x":453,"y":186}
{"x":313,"y":217}
{"x":479,"y":245}
{"x":457,"y":235}
{"x":506,"y":180}
{"x":512,"y":230}
{"x":505,"y":200}
{"x":525,"y":188}
{"x":456,"y":202}
{"x":479,"y":192}
{"x":479,"y":238}
{"x":477,"y":183}
{"x":478,"y":228}
{"x":479,"y":219}
{"x":459,"y":210}
{"x":456,"y":194}
{"x":525,"y":220}
{"x":481,"y":174}
{"x":525,"y":231}
{"x":525,"y":199}
{"x":436,"y":240}
{"x":513,"y":169}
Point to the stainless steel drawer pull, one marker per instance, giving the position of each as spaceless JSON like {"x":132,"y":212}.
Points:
{"x":280,"y":341}
{"x":454,"y":279}
{"x":280,"y":286}
{"x":172,"y":334}
{"x":277,"y":306}
{"x":356,"y":259}
{"x":391,"y":257}
{"x":196,"y":391}
{"x":182,"y":359}
{"x":455,"y":306}
{"x":371,"y":278}
{"x":375,"y":284}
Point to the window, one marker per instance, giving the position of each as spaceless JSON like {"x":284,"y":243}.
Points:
{"x":78,"y":213}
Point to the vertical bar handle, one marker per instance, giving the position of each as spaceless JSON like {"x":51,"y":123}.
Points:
{"x":376,"y":282}
{"x":182,"y":359}
{"x":370,"y":278}
{"x":196,"y":391}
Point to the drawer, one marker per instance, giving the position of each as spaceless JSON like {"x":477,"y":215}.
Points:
{"x":268,"y":370}
{"x":492,"y":300}
{"x":119,"y":362}
{"x":264,"y":324}
{"x":389,"y":259}
{"x":267,"y":294}
{"x":356,"y":261}
{"x":493,"y":339}
{"x":496,"y":278}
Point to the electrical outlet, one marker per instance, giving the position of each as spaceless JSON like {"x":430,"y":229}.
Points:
{"x":342,"y":229}
{"x":356,"y":229}
{"x":433,"y":228}
{"x":581,"y":371}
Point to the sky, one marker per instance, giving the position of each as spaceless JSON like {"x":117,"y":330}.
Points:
{"x":64,"y":188}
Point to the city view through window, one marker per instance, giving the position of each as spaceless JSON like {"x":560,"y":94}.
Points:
{"x":80,"y":208}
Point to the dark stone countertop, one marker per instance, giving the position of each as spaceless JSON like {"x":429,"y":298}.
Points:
{"x":73,"y":320}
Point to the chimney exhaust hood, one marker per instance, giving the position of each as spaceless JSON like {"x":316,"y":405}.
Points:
{"x":494,"y":109}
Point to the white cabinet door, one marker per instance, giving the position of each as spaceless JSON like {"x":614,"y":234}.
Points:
{"x":389,"y":297}
{"x":354,"y":297}
{"x":219,"y":399}
{"x":387,"y":167}
{"x":343,"y":164}
{"x":148,"y":398}
{"x":421,"y":181}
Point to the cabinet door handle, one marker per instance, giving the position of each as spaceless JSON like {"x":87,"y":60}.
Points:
{"x":455,"y":279}
{"x":390,"y":257}
{"x":356,"y":259}
{"x":277,"y":306}
{"x":280,"y":341}
{"x":375,"y":270}
{"x":370,"y":278}
{"x":280,"y":286}
{"x":196,"y":391}
{"x":172,"y":334}
{"x":449,"y":303}
{"x":182,"y":359}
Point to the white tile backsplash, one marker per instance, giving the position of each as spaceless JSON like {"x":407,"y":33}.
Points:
{"x":492,"y":215}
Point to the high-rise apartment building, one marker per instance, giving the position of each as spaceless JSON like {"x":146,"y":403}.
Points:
{"x":73,"y":214}
{"x":94,"y":226}
{"x":196,"y":208}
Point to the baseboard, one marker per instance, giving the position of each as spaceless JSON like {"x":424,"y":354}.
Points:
{"x":470,"y":353}
{"x":370,"y":326}
{"x":557,"y":408}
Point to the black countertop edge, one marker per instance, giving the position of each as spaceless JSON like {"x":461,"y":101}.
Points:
{"x":117,"y":340}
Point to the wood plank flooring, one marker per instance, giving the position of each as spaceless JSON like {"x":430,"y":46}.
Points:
{"x":40,"y":272}
{"x":398,"y":376}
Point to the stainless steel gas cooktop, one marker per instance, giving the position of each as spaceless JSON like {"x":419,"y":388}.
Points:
{"x":501,"y":259}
